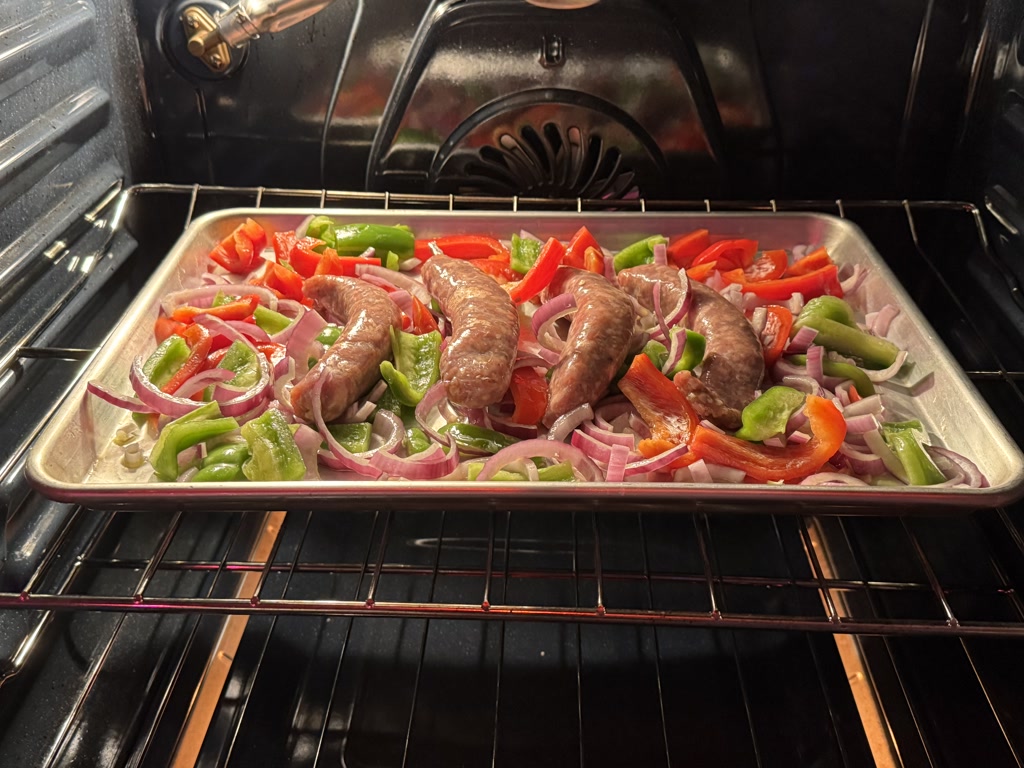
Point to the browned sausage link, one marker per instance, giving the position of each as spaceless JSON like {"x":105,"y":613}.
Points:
{"x":598,"y":340}
{"x":476,"y":365}
{"x":352,"y":364}
{"x":733,"y":361}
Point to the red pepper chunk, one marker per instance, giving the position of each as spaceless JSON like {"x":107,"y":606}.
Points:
{"x":240,"y":309}
{"x":530,"y":394}
{"x":540,"y":274}
{"x":165,"y":327}
{"x":342,"y":266}
{"x":302,"y":257}
{"x":199,"y":340}
{"x":287,"y":283}
{"x":421,"y":321}
{"x":815,"y":260}
{"x":821,"y":282}
{"x":769,"y":463}
{"x":283,"y":244}
{"x":730,"y":254}
{"x":660,"y":403}
{"x":683,"y":250}
{"x":576,"y":252}
{"x":775,"y":336}
{"x":238,"y":251}
{"x":770,"y":265}
{"x":497,"y":269}
{"x":462,"y":247}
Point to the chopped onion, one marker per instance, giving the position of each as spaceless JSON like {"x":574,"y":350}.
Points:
{"x":657,"y":462}
{"x":858,"y":425}
{"x":878,"y":446}
{"x":608,"y":436}
{"x":432,"y":399}
{"x":303,"y":337}
{"x":853,"y":282}
{"x":758,"y":321}
{"x":861,"y":462}
{"x":801,"y":341}
{"x":534,"y":349}
{"x":430,"y":464}
{"x":615,"y":472}
{"x":508,"y":427}
{"x":527,"y":449}
{"x":973,"y":476}
{"x":594,"y":448}
{"x":339,"y":456}
{"x":660,"y":254}
{"x":814,"y":363}
{"x":567,"y":422}
{"x":202,"y":380}
{"x":700,"y":473}
{"x":676,"y":348}
{"x":723,"y":474}
{"x":403,"y":299}
{"x":308,"y":441}
{"x":871,"y":404}
{"x":156,"y":399}
{"x":887,"y":373}
{"x":878,"y":322}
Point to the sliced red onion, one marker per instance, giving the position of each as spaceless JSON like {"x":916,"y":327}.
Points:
{"x":528,"y":449}
{"x":814,"y":363}
{"x":804,"y":384}
{"x":676,"y":348}
{"x":887,"y":373}
{"x":667,"y":320}
{"x":594,"y":448}
{"x":212,"y":278}
{"x":615,"y":472}
{"x":660,"y":254}
{"x":656,"y":462}
{"x":831,"y":478}
{"x":534,"y":349}
{"x":432,"y":399}
{"x":154,"y":398}
{"x":547,"y":314}
{"x":609,"y":410}
{"x":878,"y":322}
{"x":396,"y":280}
{"x":858,"y":425}
{"x":796,"y":421}
{"x":303,"y":337}
{"x":795,"y":303}
{"x":853,"y":282}
{"x":403,"y":300}
{"x":973,"y":476}
{"x":300,"y":231}
{"x":567,"y":422}
{"x":203,"y":296}
{"x":733,"y":293}
{"x":430,"y":464}
{"x":121,"y":401}
{"x":339,"y":457}
{"x":801,"y":341}
{"x":609,"y":267}
{"x":308,"y":441}
{"x":700,"y":473}
{"x":609,"y":437}
{"x":779,"y":441}
{"x":871,"y":404}
{"x":202,"y":380}
{"x":239,"y":327}
{"x":409,"y":265}
{"x":799,"y":438}
{"x":758,"y":321}
{"x":251,"y":397}
{"x":861,"y":462}
{"x":722,"y":474}
{"x":508,"y":427}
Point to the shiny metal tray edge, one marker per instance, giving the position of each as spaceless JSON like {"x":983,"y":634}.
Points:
{"x":66,"y":451}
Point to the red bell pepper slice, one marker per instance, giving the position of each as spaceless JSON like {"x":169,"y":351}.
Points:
{"x":765,"y":462}
{"x":165,"y":327}
{"x":421,"y":321}
{"x":660,"y":403}
{"x":576,"y":252}
{"x":540,"y":274}
{"x":333,"y":264}
{"x":775,"y":335}
{"x":813,"y":261}
{"x":241,"y":309}
{"x":274,"y":352}
{"x":530,"y":395}
{"x":821,"y":282}
{"x":462,"y":247}
{"x":199,"y":340}
{"x":283,"y":244}
{"x":302,"y":257}
{"x":684,"y":249}
{"x":737,"y":253}
{"x":702,"y":272}
{"x":770,"y":265}
{"x":497,"y":269}
{"x":287,"y":283}
{"x":238,"y":251}
{"x":256,"y":235}
{"x":593,"y":261}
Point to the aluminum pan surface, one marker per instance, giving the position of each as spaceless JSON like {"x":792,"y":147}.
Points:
{"x":66,"y":461}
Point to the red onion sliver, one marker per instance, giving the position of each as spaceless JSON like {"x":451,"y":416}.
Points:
{"x":972,"y":475}
{"x":550,"y":449}
{"x":202,"y":380}
{"x":152,"y":396}
{"x":801,"y":341}
{"x":432,"y":399}
{"x":831,"y":478}
{"x":609,"y":437}
{"x":660,"y":254}
{"x":615,"y":472}
{"x":505,"y":426}
{"x":700,"y":473}
{"x":308,"y":441}
{"x":853,"y":282}
{"x":342,"y":457}
{"x":127,"y":402}
{"x":567,"y":422}
{"x":887,"y":373}
{"x":657,"y":462}
{"x":395,"y":279}
{"x":871,"y":404}
{"x":430,"y":464}
{"x":594,"y":448}
{"x":203,"y":296}
{"x":858,"y":425}
{"x":303,"y":337}
{"x":549,"y":313}
{"x":814,"y":363}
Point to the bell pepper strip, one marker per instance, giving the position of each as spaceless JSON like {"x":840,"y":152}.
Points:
{"x":165,"y":327}
{"x":241,"y":360}
{"x":829,"y":307}
{"x":417,"y":365}
{"x":223,"y":464}
{"x":593,"y":261}
{"x":354,"y":438}
{"x":860,"y":380}
{"x":166,"y":359}
{"x":422,"y":321}
{"x":635,"y":254}
{"x":202,"y":424}
{"x":770,"y":265}
{"x":824,"y":281}
{"x":303,"y":256}
{"x":200,"y":341}
{"x":655,"y":350}
{"x":685,"y":248}
{"x":257,"y":235}
{"x":330,"y":334}
{"x":524,"y":254}
{"x":540,"y":274}
{"x":499,"y":270}
{"x":238,"y":251}
{"x":904,"y":438}
{"x":239,"y":309}
{"x":530,"y":395}
{"x":274,"y":455}
{"x":813,"y":261}
{"x":662,"y":406}
{"x":415,"y":441}
{"x":702,"y":272}
{"x":767,"y":415}
{"x":341,"y":266}
{"x":775,"y":336}
{"x":274,"y":352}
{"x":354,"y":239}
{"x":576,"y":251}
{"x":470,"y":437}
{"x":837,"y":335}
{"x":730,"y":254}
{"x":286,"y":282}
{"x":321,"y":228}
{"x":270,"y":321}
{"x":463,"y":247}
{"x":283,"y":244}
{"x":556,"y":473}
{"x":766,"y":463}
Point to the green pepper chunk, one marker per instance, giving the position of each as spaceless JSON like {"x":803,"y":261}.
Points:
{"x":228,"y":453}
{"x":655,"y":350}
{"x":354,"y":438}
{"x":354,"y":239}
{"x":204,"y":423}
{"x":321,"y":228}
{"x":904,"y":438}
{"x":417,"y":365}
{"x":478,"y":439}
{"x":275,"y":456}
{"x":556,"y":473}
{"x":391,"y":261}
{"x":241,"y":360}
{"x":415,"y":441}
{"x":767,"y":415}
{"x":330,"y":334}
{"x":842,"y":371}
{"x":837,"y":330}
{"x":270,"y":321}
{"x":640,"y":252}
{"x":523,"y":254}
{"x":693,"y":352}
{"x":166,"y":359}
{"x":219,"y":473}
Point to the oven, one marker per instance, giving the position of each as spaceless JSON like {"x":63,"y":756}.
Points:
{"x":412,"y":635}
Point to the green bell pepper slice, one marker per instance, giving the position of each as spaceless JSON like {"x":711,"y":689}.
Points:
{"x":270,"y":321}
{"x":523,"y":254}
{"x":417,"y":365}
{"x":842,"y":371}
{"x":354,"y":438}
{"x":837,"y":330}
{"x":204,"y":423}
{"x":904,"y":438}
{"x":274,"y":454}
{"x":767,"y":415}
{"x":241,"y":360}
{"x":166,"y":359}
{"x":693,"y":353}
{"x":640,"y":252}
{"x":353,"y":239}
{"x":556,"y":473}
{"x":219,"y":473}
{"x":477,"y":439}
{"x":415,"y":441}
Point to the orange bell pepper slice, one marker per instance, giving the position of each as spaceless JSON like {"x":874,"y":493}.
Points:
{"x":660,"y":403}
{"x":730,"y":254}
{"x":286,"y":282}
{"x":497,"y":269}
{"x":239,"y":309}
{"x":770,"y":265}
{"x":421,"y":321}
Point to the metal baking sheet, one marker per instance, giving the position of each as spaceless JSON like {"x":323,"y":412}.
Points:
{"x":74,"y":460}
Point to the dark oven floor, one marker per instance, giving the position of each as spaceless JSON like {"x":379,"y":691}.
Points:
{"x":741,"y":669}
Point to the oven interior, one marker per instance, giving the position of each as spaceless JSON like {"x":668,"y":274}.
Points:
{"x":474,"y":637}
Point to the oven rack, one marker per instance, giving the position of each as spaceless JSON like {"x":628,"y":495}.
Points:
{"x":812,"y":570}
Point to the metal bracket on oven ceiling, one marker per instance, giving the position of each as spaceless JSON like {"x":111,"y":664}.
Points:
{"x":204,"y":42}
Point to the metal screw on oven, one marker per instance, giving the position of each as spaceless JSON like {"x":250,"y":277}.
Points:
{"x":192,"y":20}
{"x":216,"y":61}
{"x":552,"y":52}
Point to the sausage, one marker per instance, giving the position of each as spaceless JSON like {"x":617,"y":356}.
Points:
{"x":597,"y":344}
{"x":476,"y":364}
{"x":733,"y":362}
{"x":352,"y":364}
